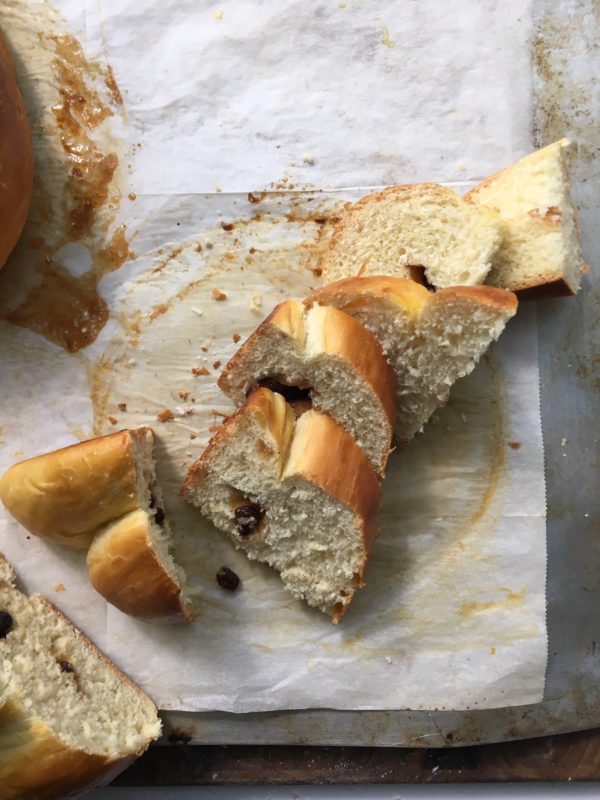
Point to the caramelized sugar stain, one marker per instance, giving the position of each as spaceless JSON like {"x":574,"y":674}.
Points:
{"x":67,"y":311}
{"x":73,"y":184}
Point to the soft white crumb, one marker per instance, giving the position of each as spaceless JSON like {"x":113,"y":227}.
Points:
{"x":563,"y":441}
{"x":217,"y":15}
{"x":388,"y":659}
{"x":308,"y":159}
{"x":218,"y":189}
{"x":132,"y":362}
{"x":179,"y":411}
{"x":197,"y":311}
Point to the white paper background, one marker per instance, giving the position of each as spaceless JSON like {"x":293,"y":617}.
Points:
{"x":454,"y":612}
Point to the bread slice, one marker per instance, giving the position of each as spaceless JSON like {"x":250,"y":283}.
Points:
{"x":329,"y":356}
{"x":540,"y":254}
{"x":130,"y":563}
{"x":431,"y":339}
{"x":299,"y":495}
{"x":69,"y":719}
{"x":104,"y":492}
{"x":419,"y":225}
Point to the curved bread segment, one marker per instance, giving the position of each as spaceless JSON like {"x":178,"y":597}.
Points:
{"x":67,"y":495}
{"x":130,"y":565}
{"x":418,"y":225}
{"x":328,"y":355}
{"x":16,"y":157}
{"x":431,"y":339}
{"x":278,"y":488}
{"x":69,"y":719}
{"x":540,"y":253}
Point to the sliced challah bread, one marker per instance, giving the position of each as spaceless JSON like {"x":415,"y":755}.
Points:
{"x":297,"y":494}
{"x":105,"y":490}
{"x":327,"y":355}
{"x":418,"y":225}
{"x":540,"y":254}
{"x":431,"y":339}
{"x":69,"y":719}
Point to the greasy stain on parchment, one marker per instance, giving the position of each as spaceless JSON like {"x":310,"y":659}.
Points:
{"x":70,"y":102}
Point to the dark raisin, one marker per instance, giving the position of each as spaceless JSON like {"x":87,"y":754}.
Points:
{"x":6,"y":623}
{"x":65,"y":666}
{"x":247,"y":516}
{"x":159,"y":515}
{"x":228,"y":579}
{"x":290,"y":393}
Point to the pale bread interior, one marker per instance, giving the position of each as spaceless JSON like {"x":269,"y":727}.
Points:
{"x":429,"y":351}
{"x":94,"y":708}
{"x":540,"y":239}
{"x":299,"y":358}
{"x":311,"y":538}
{"x":150,"y":499}
{"x":421,"y":225}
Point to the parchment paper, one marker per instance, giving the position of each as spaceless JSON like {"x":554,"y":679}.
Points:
{"x":453,"y":615}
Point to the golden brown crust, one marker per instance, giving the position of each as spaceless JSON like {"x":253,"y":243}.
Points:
{"x":125,"y":568}
{"x":36,"y":765}
{"x":490,"y":296}
{"x":16,"y":157}
{"x":67,"y":495}
{"x":410,"y":295}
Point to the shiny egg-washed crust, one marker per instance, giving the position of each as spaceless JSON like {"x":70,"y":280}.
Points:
{"x":34,"y":763}
{"x":326,"y":456}
{"x":124,"y":567}
{"x":67,"y":495}
{"x":341,"y":337}
{"x":16,"y":157}
{"x":410,"y":296}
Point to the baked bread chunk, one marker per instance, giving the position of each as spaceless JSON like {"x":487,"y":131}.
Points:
{"x":69,"y":719}
{"x":431,"y":339}
{"x":16,"y":157}
{"x":403,"y":228}
{"x":104,"y":492}
{"x":327,"y":356}
{"x":299,"y":495}
{"x":540,"y":254}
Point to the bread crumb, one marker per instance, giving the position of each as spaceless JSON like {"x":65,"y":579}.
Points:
{"x":217,"y":15}
{"x":59,"y":587}
{"x":236,"y":337}
{"x":388,"y":659}
{"x":386,"y":39}
{"x":256,"y":303}
{"x":132,"y":362}
{"x":204,"y":349}
{"x":218,"y":189}
{"x":188,"y":411}
{"x":493,"y":651}
{"x":193,"y":435}
{"x":197,"y":311}
{"x":217,"y":364}
{"x":183,"y":394}
{"x":112,"y":420}
{"x":308,"y":159}
{"x":122,"y":406}
{"x":165,"y":416}
{"x":217,"y":294}
{"x":200,"y":371}
{"x":563,"y":441}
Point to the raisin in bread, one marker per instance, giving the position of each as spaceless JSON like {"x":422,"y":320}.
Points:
{"x":431,"y":339}
{"x":328,"y":356}
{"x":299,"y":495}
{"x":104,"y":492}
{"x":540,"y":253}
{"x":425,"y":226}
{"x":69,"y":719}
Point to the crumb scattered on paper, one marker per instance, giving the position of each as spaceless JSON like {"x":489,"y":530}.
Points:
{"x":217,"y":294}
{"x":386,"y":39}
{"x":165,"y":416}
{"x":59,"y":587}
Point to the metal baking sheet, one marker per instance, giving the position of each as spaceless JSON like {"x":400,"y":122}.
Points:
{"x":566,"y":70}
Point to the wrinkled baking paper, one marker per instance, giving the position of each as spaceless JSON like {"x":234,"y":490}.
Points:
{"x":241,"y":97}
